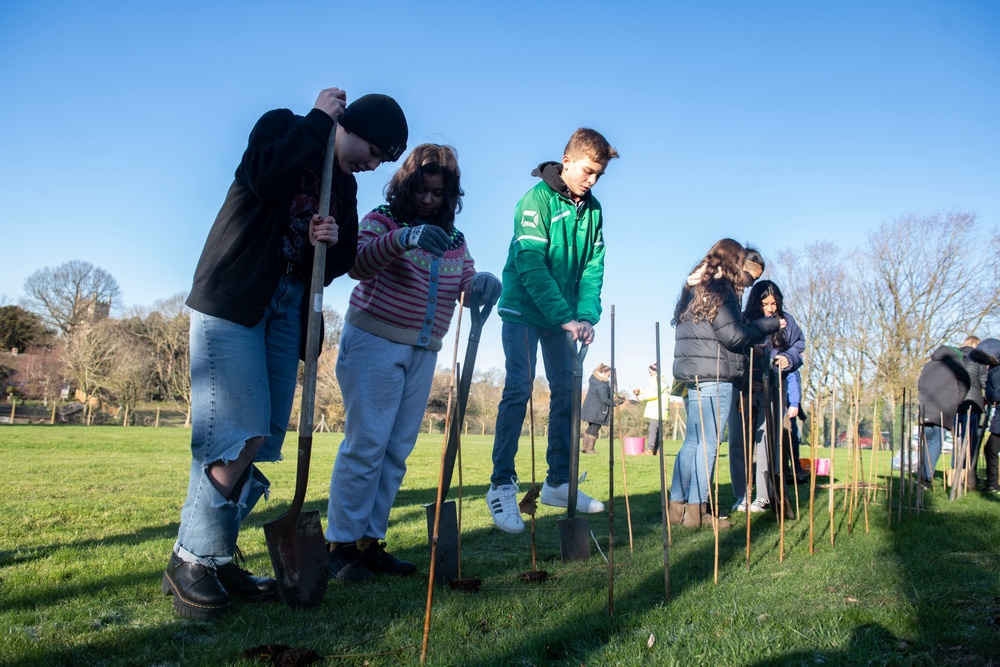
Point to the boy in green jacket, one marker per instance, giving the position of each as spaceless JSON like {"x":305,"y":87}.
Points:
{"x":551,"y":284}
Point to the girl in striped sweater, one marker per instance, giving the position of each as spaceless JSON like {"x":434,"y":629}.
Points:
{"x":412,"y":264}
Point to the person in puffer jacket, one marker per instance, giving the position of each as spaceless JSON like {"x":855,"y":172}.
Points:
{"x":970,"y":414}
{"x":942,"y":386}
{"x":988,"y":353}
{"x":785,"y":348}
{"x":708,"y":355}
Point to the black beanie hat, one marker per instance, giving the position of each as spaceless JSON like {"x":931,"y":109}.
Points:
{"x":378,"y":120}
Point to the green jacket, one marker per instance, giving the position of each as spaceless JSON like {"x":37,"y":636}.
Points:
{"x":555,"y":264}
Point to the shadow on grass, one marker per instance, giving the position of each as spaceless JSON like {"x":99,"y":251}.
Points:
{"x":948,"y":564}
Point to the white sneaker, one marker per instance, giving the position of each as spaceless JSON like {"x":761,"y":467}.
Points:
{"x":740,"y":506}
{"x":558,"y":496}
{"x":759,"y":505}
{"x":502,"y":501}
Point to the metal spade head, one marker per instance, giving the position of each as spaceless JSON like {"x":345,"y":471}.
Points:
{"x":299,"y":556}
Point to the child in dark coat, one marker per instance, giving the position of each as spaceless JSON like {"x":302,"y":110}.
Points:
{"x":596,"y":407}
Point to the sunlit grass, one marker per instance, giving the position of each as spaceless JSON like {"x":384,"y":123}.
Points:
{"x":90,"y":515}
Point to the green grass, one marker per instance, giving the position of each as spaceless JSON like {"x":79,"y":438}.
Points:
{"x":89,"y":516}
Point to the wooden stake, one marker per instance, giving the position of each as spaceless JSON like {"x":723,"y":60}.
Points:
{"x":779,"y":426}
{"x":813,"y":435}
{"x":611,"y":475}
{"x":708,"y":473}
{"x":663,"y":476}
{"x":440,"y":491}
{"x":718,"y":446}
{"x":749,"y":436}
{"x":833,"y":451}
{"x":628,"y":508}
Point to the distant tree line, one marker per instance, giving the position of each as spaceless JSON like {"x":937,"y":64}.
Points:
{"x":873,"y":313}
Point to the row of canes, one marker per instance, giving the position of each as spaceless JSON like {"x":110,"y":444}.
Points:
{"x":444,"y":522}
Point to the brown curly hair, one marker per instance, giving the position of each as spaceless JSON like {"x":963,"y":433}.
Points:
{"x":721,"y":273}
{"x":427,"y":159}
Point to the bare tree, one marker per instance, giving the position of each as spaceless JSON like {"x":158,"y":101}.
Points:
{"x":926,"y":281}
{"x":164,"y":328}
{"x":484,"y":397}
{"x":132,"y":376}
{"x":89,"y":361}
{"x":38,"y":373}
{"x":818,"y":291}
{"x":71,"y":294}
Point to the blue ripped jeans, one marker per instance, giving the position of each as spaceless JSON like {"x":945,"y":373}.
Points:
{"x":242,"y":384}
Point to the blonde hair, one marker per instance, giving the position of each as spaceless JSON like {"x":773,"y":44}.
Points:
{"x":970,"y":341}
{"x":603,"y":371}
{"x":586,"y":142}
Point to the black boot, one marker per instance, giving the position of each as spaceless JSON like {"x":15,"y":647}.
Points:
{"x":380,"y":561}
{"x":346,"y":563}
{"x":196,"y":589}
{"x":240,"y":583}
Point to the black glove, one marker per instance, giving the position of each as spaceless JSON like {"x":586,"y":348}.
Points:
{"x":430,"y":238}
{"x":485,"y":289}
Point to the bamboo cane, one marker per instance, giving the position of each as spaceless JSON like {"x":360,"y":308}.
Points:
{"x":440,"y":491}
{"x":791,"y":457}
{"x":611,"y":475}
{"x":904,"y":460}
{"x":749,"y":433}
{"x":871,"y":491}
{"x":663,"y":476}
{"x":813,"y":436}
{"x":704,"y":451}
{"x":628,"y":508}
{"x":833,"y":452}
{"x":718,"y":446}
{"x":531,"y":433}
{"x":781,"y":472}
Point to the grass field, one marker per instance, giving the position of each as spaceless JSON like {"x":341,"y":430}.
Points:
{"x":90,"y":515}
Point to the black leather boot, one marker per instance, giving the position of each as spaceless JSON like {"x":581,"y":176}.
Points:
{"x":196,"y":589}
{"x":240,"y":583}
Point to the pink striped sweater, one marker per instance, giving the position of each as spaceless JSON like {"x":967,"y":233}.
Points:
{"x":394,"y":298}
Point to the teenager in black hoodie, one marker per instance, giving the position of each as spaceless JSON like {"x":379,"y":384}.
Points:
{"x":247,"y":324}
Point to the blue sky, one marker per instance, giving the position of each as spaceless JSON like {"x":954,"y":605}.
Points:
{"x":777,"y":123}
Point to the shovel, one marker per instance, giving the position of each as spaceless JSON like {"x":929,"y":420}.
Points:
{"x":446,"y":556}
{"x":574,"y":533}
{"x":295,"y":539}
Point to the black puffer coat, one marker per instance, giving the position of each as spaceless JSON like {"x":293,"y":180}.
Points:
{"x":714,"y":349}
{"x":597,"y":404}
{"x":942,"y":386}
{"x":977,"y":381}
{"x":988,"y":354}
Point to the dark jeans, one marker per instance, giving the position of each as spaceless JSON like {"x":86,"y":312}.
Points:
{"x":992,"y":461}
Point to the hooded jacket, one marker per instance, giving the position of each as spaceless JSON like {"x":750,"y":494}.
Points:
{"x":713,"y":350}
{"x":988,"y":354}
{"x":977,"y":381}
{"x":942,"y":386}
{"x":555,"y":264}
{"x":597,"y":403}
{"x":280,"y":171}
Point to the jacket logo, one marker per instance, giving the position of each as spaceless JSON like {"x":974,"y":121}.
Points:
{"x":529,"y":219}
